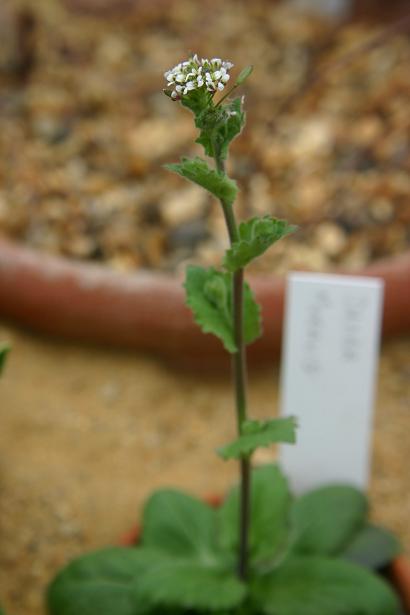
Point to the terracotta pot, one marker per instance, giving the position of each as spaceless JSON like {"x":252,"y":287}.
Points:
{"x":379,"y":10}
{"x":400,"y":577}
{"x":145,"y":310}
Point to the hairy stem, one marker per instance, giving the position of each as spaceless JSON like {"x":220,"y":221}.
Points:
{"x":239,"y":377}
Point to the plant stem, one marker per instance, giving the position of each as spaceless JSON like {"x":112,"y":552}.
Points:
{"x":239,"y":374}
{"x":239,"y":377}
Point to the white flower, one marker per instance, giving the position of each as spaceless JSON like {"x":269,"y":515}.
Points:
{"x":198,"y":73}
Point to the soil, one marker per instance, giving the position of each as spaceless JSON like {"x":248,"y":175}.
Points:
{"x":88,"y":433}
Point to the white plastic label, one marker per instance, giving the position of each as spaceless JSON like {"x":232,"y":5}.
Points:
{"x":329,"y":366}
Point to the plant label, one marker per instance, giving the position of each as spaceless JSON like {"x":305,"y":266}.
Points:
{"x":329,"y":366}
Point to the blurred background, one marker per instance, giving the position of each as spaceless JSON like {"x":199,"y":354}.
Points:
{"x":84,"y":130}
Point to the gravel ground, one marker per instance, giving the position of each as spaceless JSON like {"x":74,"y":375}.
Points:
{"x":88,"y":433}
{"x":85,"y":130}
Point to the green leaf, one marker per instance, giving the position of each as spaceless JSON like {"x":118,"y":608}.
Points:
{"x":219,"y":126}
{"x":372,"y":547}
{"x":209,"y":295}
{"x":183,"y":567}
{"x":255,"y":237}
{"x":196,"y":170}
{"x":179,"y":524}
{"x":4,"y":350}
{"x":270,"y":503}
{"x":188,"y":583}
{"x":244,"y":74}
{"x":257,"y":434}
{"x":100,"y":583}
{"x":197,"y":101}
{"x":326,"y":519}
{"x":323,"y":586}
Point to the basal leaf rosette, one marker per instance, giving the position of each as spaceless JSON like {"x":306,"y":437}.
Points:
{"x":185,"y":561}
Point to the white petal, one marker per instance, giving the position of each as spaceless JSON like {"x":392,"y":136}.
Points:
{"x":220,"y":86}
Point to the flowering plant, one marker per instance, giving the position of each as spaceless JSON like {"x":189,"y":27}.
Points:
{"x":262,"y":551}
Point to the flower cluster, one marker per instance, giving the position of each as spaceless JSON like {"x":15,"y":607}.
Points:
{"x":194,"y":74}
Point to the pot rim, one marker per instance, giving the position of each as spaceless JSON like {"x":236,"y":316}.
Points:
{"x":146,"y":310}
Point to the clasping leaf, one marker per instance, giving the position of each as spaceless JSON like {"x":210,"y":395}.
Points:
{"x":255,"y":237}
{"x":209,"y":295}
{"x":197,"y":171}
{"x":219,"y":126}
{"x":257,"y":434}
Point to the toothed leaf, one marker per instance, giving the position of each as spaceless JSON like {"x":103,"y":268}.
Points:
{"x":209,"y":295}
{"x":258,"y":434}
{"x":188,"y":583}
{"x":219,"y":126}
{"x":255,"y":237}
{"x":197,"y":171}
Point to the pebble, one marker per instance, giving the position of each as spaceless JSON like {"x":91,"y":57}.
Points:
{"x":158,"y":138}
{"x":110,"y":392}
{"x":50,"y":129}
{"x":382,"y":210}
{"x":183,"y":205}
{"x":312,"y":138}
{"x":82,"y":246}
{"x":331,"y":239}
{"x":187,"y":235}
